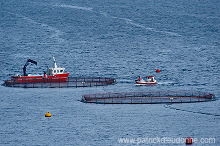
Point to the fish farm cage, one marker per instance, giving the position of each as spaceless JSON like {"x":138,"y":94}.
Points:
{"x":148,"y":97}
{"x":71,"y":82}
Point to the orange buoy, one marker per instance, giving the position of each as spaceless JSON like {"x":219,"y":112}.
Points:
{"x":48,"y":114}
{"x":157,"y":70}
{"x":189,"y":140}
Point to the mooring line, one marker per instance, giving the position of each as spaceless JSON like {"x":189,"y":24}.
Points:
{"x":168,"y":106}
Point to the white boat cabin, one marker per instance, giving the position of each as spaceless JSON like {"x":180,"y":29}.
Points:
{"x":55,"y":70}
{"x":150,"y":79}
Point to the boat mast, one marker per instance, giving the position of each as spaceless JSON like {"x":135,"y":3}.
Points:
{"x":55,"y":64}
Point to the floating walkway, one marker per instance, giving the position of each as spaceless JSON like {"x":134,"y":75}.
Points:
{"x":148,"y":97}
{"x":71,"y":82}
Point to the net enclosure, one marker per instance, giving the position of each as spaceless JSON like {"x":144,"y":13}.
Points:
{"x":148,"y":97}
{"x":71,"y":82}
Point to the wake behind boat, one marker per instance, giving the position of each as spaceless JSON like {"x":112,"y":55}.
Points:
{"x":53,"y":74}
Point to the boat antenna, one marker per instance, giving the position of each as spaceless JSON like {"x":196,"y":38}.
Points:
{"x":26,"y":64}
{"x":55,"y":64}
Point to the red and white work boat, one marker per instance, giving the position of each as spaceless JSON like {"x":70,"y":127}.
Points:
{"x":53,"y":74}
{"x":149,"y":81}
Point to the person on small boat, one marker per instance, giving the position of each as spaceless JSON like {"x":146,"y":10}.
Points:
{"x":140,"y":80}
{"x":150,"y":79}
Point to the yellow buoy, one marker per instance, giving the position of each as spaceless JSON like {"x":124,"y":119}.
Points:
{"x":48,"y":114}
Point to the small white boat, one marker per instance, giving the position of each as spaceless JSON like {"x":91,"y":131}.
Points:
{"x":149,"y":81}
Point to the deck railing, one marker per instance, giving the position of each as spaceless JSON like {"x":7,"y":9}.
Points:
{"x":71,"y":82}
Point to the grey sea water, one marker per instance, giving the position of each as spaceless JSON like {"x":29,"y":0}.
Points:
{"x":119,"y":39}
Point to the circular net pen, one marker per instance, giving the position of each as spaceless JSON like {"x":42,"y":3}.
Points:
{"x":71,"y":82}
{"x":148,"y":97}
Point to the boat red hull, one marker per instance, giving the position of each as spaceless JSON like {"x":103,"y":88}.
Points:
{"x":146,"y":83}
{"x":37,"y":79}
